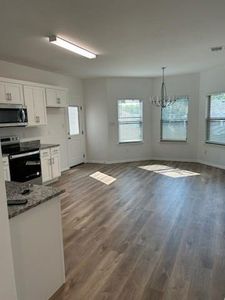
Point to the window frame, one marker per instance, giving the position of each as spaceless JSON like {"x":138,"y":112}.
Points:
{"x":142,"y":122}
{"x":209,"y":119}
{"x":78,"y":112}
{"x":161,"y":124}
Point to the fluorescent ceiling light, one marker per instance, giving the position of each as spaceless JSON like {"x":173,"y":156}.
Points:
{"x":71,"y":47}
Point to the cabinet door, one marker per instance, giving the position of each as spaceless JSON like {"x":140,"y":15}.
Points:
{"x":5,"y":162}
{"x":2,"y":93}
{"x":29,"y":102}
{"x":6,"y":173}
{"x":40,"y":106}
{"x":51,"y":97}
{"x":61,"y":98}
{"x":46,"y":168}
{"x":36,"y":106}
{"x":56,"y":98}
{"x":56,"y":166}
{"x":13,"y":93}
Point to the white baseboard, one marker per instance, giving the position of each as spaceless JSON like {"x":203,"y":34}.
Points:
{"x":175,"y":159}
{"x":65,"y":169}
{"x":127,"y":160}
{"x":95,"y":161}
{"x":158,"y":158}
{"x":117,"y":161}
{"x":211,"y":165}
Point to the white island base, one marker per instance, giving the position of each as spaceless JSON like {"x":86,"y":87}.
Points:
{"x":37,"y":246}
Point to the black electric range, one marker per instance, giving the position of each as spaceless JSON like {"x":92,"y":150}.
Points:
{"x":24,"y":159}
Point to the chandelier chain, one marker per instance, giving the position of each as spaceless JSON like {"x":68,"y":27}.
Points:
{"x":163,"y":100}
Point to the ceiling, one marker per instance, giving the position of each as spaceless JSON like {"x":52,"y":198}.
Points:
{"x":130,"y":37}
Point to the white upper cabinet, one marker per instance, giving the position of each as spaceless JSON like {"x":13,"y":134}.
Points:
{"x":56,"y":97}
{"x":36,"y":105}
{"x":2,"y":93}
{"x":19,"y":92}
{"x":11,"y":93}
{"x":40,"y":106}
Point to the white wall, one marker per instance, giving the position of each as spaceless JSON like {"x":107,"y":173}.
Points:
{"x":211,"y":81}
{"x":180,"y":85}
{"x":56,"y":130}
{"x":125,"y":88}
{"x":101,"y":97}
{"x":7,"y":280}
{"x":96,"y":116}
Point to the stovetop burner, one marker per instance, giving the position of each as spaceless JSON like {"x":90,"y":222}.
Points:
{"x":17,"y":148}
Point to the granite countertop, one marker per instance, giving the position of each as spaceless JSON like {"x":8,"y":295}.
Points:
{"x":35,"y":144}
{"x":38,"y":195}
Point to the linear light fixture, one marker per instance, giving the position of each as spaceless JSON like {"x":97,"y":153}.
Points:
{"x":71,"y":47}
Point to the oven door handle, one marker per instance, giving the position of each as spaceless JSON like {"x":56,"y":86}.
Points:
{"x":23,"y":154}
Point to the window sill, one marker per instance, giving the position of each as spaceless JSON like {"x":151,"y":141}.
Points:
{"x":215,"y":143}
{"x":174,"y":141}
{"x":130,"y":143}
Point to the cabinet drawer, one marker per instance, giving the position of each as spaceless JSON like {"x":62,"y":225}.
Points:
{"x":45,"y":153}
{"x":55,"y":151}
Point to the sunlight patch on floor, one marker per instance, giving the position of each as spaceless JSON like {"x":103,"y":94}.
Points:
{"x":104,"y":178}
{"x":169,"y":171}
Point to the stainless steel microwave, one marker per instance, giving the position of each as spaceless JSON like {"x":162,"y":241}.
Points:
{"x":13,"y":115}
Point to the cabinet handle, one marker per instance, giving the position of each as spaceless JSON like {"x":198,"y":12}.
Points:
{"x":37,"y":119}
{"x":58,"y":100}
{"x":8,"y":96}
{"x":50,"y":161}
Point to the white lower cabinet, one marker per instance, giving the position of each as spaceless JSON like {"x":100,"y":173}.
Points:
{"x":6,"y":168}
{"x":46,"y":165}
{"x":56,"y":167}
{"x":50,"y":164}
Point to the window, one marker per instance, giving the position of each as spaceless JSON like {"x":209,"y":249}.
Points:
{"x":216,"y":119}
{"x":73,"y":113}
{"x":174,"y":119}
{"x":130,"y":120}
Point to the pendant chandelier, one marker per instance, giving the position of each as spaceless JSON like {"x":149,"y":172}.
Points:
{"x":163,"y":100}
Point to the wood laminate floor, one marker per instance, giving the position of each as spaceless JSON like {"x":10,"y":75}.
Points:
{"x":156,"y":232}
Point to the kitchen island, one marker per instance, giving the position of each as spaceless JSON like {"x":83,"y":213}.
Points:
{"x":37,"y":244}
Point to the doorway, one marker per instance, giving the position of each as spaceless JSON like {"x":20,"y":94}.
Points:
{"x":75,"y":135}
